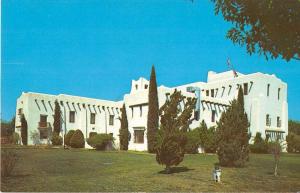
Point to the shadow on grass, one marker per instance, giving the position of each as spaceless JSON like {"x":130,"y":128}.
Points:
{"x":176,"y":170}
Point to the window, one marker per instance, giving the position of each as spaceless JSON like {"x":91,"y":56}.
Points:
{"x":131,"y":111}
{"x":146,"y":86}
{"x":278,"y":122}
{"x":207,"y":92}
{"x":20,"y":111}
{"x":212,"y":92}
{"x":278,"y":95}
{"x":141,"y":111}
{"x":268,"y":120}
{"x":136,"y":87}
{"x":268,"y":89}
{"x":111,"y":119}
{"x":72,"y":117}
{"x":213,"y":116}
{"x":43,"y":121}
{"x":93,"y":118}
{"x":245,"y":88}
{"x":139,"y":135}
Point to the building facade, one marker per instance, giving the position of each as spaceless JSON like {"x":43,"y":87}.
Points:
{"x":265,"y":104}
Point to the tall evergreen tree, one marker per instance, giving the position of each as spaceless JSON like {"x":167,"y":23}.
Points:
{"x":153,"y":112}
{"x":57,"y":118}
{"x":232,"y":134}
{"x":124,"y":133}
{"x":24,"y":130}
{"x":171,"y":142}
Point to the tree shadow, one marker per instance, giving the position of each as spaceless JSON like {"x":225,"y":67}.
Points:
{"x":176,"y":170}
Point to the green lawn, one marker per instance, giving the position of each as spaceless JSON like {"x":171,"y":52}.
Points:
{"x":87,"y":170}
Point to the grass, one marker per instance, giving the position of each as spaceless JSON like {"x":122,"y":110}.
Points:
{"x":54,"y":170}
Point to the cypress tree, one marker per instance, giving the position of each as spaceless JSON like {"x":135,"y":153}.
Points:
{"x":232,"y":134}
{"x":24,"y":130}
{"x":57,"y":118}
{"x":124,"y":133}
{"x":153,"y":113}
{"x":172,"y":135}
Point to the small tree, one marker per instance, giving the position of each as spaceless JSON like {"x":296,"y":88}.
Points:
{"x":153,"y":112}
{"x":232,"y":134}
{"x":57,"y":118}
{"x":275,"y":149}
{"x":259,"y":145}
{"x":124,"y":133}
{"x":35,"y":137}
{"x":172,"y":139}
{"x":24,"y":130}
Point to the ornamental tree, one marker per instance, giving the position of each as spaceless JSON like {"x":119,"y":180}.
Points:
{"x":232,"y":134}
{"x":24,"y":130}
{"x":174,"y":123}
{"x":57,"y":118}
{"x":153,"y":112}
{"x":124,"y":133}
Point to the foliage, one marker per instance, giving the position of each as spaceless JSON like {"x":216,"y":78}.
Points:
{"x":153,"y":112}
{"x":15,"y":138}
{"x":24,"y":130}
{"x":123,"y":132}
{"x":275,"y":149}
{"x":210,"y":143}
{"x":8,"y":128}
{"x":91,"y":134}
{"x":57,"y":118}
{"x":259,"y":145}
{"x":56,"y":139}
{"x":293,"y":143}
{"x":68,"y":137}
{"x":8,"y":161}
{"x":172,"y":138}
{"x":35,"y":137}
{"x":232,"y":134}
{"x":100,"y":141}
{"x":294,"y":127}
{"x":77,"y":140}
{"x":269,"y":27}
{"x":193,"y":141}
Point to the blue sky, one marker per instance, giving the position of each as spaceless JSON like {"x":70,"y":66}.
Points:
{"x":95,"y":48}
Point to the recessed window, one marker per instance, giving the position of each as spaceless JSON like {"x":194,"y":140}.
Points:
{"x":212,"y":92}
{"x":146,"y":86}
{"x":132,"y":112}
{"x":139,"y":135}
{"x":141,"y":110}
{"x":196,"y":115}
{"x":72,"y":116}
{"x":111,"y":119}
{"x":136,"y":87}
{"x":268,"y":120}
{"x":44,"y":133}
{"x":268,"y":90}
{"x":43,"y":121}
{"x":207,"y":92}
{"x":278,"y":94}
{"x":278,"y":122}
{"x":20,"y":111}
{"x":213,"y":116}
{"x":245,"y":88}
{"x":93,"y":118}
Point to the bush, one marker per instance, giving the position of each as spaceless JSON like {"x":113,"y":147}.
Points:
{"x":193,"y":141}
{"x":68,"y":137}
{"x":293,"y":143}
{"x":100,"y":141}
{"x":14,"y":138}
{"x":35,"y":137}
{"x":8,"y":161}
{"x":56,"y":139}
{"x":77,"y":140}
{"x":91,"y":134}
{"x":259,"y":145}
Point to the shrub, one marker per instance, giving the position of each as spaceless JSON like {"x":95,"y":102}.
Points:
{"x":15,"y":138}
{"x":35,"y":137}
{"x":293,"y":143}
{"x":8,"y":161}
{"x":56,"y":139}
{"x":210,"y":144}
{"x":91,"y":134}
{"x":259,"y":145}
{"x":68,"y":137}
{"x":100,"y":141}
{"x":193,"y":141}
{"x":77,"y":140}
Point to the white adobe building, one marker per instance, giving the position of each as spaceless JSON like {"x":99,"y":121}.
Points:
{"x":265,"y":104}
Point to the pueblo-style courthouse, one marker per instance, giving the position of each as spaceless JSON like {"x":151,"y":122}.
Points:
{"x":265,"y":104}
